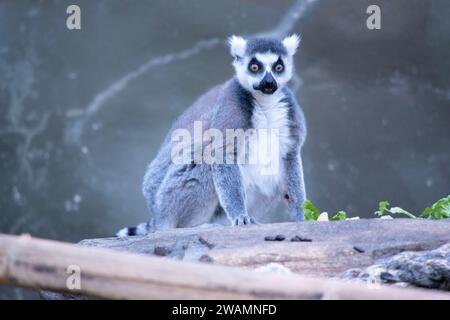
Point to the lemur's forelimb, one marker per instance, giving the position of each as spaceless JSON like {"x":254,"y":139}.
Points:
{"x":295,"y":192}
{"x":231,"y":193}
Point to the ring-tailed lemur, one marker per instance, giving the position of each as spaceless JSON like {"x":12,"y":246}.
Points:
{"x":183,"y":195}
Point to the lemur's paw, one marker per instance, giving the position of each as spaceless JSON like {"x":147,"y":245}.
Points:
{"x":243,"y":219}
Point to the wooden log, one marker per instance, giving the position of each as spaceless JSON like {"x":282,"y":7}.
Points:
{"x":43,"y":264}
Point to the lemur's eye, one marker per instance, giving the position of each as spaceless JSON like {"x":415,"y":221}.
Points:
{"x":254,"y":67}
{"x":279,"y":67}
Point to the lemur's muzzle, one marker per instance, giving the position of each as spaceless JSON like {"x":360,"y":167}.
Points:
{"x":268,"y":84}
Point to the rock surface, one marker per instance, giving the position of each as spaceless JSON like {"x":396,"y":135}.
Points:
{"x":335,"y":247}
{"x":428,"y":269}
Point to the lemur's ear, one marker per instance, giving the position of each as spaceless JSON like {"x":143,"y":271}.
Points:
{"x":291,"y":43}
{"x":237,"y":46}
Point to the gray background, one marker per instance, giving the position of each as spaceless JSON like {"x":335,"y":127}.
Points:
{"x":82,"y":112}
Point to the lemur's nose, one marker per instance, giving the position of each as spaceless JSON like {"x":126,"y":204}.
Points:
{"x":268,"y":79}
{"x":268,"y":84}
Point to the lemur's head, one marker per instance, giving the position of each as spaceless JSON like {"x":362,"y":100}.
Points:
{"x":263,"y":65}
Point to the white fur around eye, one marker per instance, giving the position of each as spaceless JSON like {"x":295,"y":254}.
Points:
{"x":267,"y":58}
{"x":291,"y":44}
{"x":237,"y":46}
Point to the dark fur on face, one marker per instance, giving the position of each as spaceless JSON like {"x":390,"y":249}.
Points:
{"x":255,"y":45}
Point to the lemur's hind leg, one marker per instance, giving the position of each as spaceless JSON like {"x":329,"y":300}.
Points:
{"x":185,"y":198}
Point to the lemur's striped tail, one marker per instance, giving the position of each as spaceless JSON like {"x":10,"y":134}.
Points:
{"x":139,"y":230}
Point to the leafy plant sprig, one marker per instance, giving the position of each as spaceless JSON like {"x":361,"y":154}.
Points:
{"x":439,"y":210}
{"x":340,"y":215}
{"x":311,"y":213}
{"x":383,"y":209}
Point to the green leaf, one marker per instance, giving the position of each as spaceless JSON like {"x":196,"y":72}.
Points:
{"x":310,"y":212}
{"x":382,"y":208}
{"x":398,"y":210}
{"x":341,"y":215}
{"x":426,"y":213}
{"x":439,"y":210}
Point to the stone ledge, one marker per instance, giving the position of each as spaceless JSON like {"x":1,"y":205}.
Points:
{"x":334,"y":247}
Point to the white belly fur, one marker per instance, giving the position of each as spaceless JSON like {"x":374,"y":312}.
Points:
{"x":269,"y":113}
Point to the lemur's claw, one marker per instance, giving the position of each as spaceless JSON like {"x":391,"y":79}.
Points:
{"x":244,"y":219}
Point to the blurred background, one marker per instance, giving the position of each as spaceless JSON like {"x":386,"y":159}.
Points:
{"x":84,"y":111}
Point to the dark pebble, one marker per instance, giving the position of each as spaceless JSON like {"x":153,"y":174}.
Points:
{"x":205,"y":258}
{"x":300,"y":239}
{"x":206,"y":242}
{"x":358,"y":249}
{"x":162,"y":251}
{"x":386,"y":277}
{"x":278,"y":237}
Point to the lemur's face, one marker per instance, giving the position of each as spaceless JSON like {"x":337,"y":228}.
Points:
{"x":263,"y":65}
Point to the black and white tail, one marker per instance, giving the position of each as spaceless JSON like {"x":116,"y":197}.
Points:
{"x":139,"y":230}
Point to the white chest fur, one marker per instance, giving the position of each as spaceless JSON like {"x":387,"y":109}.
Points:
{"x":269,"y":115}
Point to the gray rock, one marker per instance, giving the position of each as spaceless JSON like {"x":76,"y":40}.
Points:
{"x":330,"y":254}
{"x":428,"y":269}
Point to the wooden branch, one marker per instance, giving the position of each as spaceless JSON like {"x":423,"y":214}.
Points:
{"x":42,"y":264}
